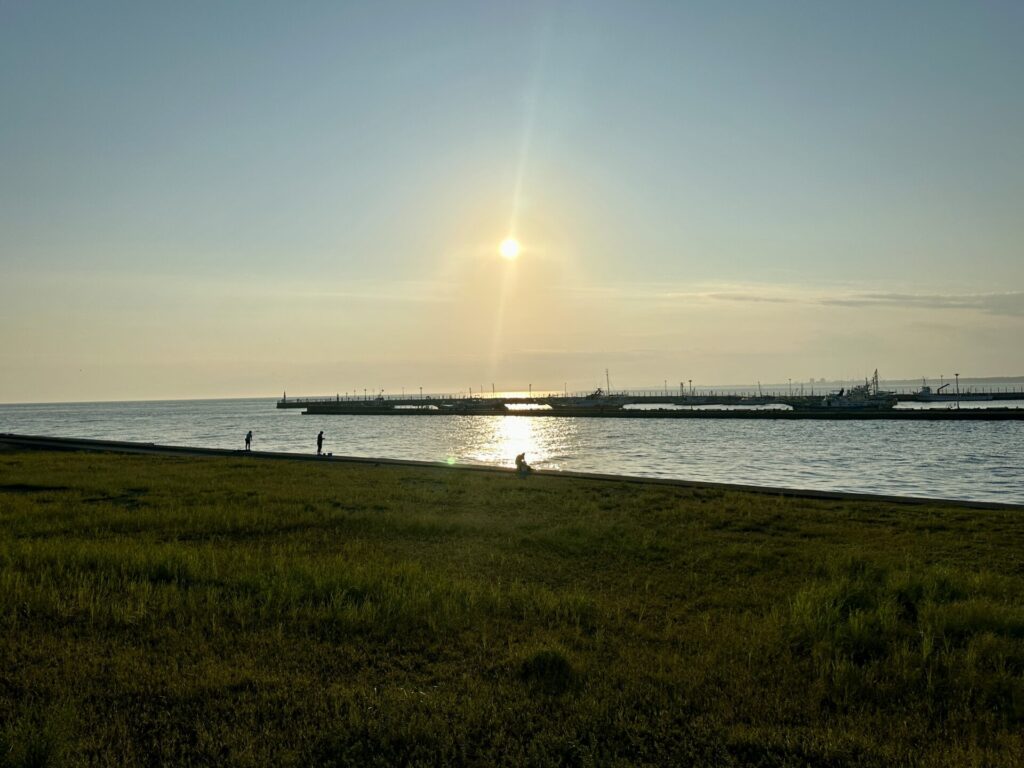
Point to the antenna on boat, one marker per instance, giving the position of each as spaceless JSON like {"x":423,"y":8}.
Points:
{"x":607,"y":382}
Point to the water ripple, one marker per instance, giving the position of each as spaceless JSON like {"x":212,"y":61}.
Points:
{"x":982,"y":461}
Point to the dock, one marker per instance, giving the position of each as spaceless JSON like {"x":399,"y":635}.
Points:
{"x":649,"y":405}
{"x":832,"y":414}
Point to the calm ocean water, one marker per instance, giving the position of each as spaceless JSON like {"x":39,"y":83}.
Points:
{"x":965,"y":460}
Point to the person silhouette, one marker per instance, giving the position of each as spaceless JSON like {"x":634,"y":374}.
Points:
{"x":320,"y":443}
{"x":248,"y":440}
{"x":521,"y":466}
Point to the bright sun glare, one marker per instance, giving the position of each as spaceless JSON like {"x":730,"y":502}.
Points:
{"x":510,"y":248}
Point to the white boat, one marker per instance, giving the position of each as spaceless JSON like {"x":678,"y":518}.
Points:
{"x":475,"y":405}
{"x":596,"y":399}
{"x":866,"y":396}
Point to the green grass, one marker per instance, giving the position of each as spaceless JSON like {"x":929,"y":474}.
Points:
{"x":171,"y":611}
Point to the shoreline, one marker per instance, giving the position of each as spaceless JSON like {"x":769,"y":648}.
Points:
{"x":44,"y":443}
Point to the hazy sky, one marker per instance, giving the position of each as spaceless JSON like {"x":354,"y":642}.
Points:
{"x":217,"y":199}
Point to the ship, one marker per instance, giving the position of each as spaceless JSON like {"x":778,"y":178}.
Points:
{"x":598,"y":399}
{"x":476,"y":406}
{"x":927,"y":395}
{"x":866,"y":396}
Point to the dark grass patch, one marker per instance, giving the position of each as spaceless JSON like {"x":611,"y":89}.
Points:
{"x":30,"y":488}
{"x":38,"y":738}
{"x":548,"y":671}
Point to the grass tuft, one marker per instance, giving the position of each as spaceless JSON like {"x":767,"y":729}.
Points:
{"x":37,"y":739}
{"x":548,"y":671}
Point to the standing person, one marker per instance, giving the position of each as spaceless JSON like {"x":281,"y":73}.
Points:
{"x":320,"y":443}
{"x":248,"y":440}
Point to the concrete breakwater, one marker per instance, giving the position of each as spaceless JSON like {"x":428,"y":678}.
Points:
{"x":608,"y":402}
{"x":499,"y":409}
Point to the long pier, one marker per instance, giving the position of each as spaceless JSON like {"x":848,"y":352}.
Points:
{"x":833,"y":414}
{"x":627,"y":398}
{"x":786,"y":414}
{"x":653,"y":406}
{"x":457,"y":401}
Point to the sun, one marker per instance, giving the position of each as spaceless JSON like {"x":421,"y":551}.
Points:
{"x":509,"y":248}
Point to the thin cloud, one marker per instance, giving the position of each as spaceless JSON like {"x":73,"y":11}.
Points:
{"x":751,"y":297}
{"x":1011,"y":303}
{"x":411,"y":292}
{"x":576,"y":354}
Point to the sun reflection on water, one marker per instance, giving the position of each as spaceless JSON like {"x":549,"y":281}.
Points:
{"x":893,"y":458}
{"x":499,"y":439}
{"x":515,"y":435}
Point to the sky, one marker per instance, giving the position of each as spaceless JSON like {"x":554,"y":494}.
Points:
{"x":237,"y":199}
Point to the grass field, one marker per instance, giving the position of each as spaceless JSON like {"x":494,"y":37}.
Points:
{"x":221,"y":611}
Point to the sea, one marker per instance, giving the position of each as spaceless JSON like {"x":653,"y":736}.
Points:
{"x":975,"y":461}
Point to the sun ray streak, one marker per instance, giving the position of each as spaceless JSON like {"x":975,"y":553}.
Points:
{"x":507,"y":289}
{"x":530,"y":101}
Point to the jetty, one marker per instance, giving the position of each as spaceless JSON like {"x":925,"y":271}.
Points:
{"x":628,"y":400}
{"x":640,"y":406}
